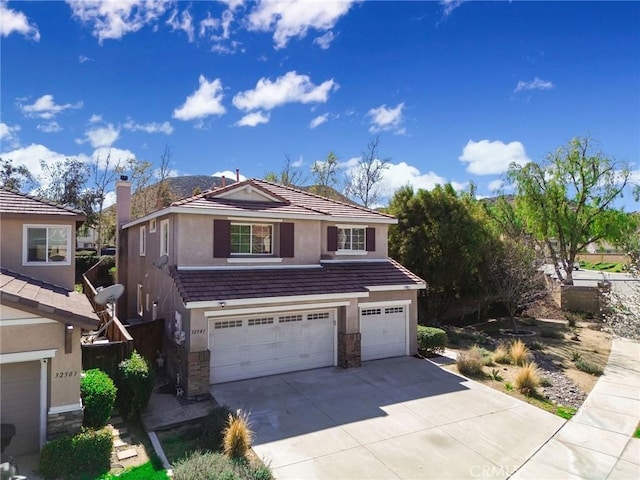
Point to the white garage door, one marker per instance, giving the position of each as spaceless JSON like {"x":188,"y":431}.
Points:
{"x":268,"y":344}
{"x":384,"y":332}
{"x":20,"y":405}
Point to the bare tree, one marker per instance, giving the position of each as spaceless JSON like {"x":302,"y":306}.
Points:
{"x":364,"y":182}
{"x":290,"y":175}
{"x":103,"y":175}
{"x":140,"y":175}
{"x":164,"y":196}
{"x":325,"y":171}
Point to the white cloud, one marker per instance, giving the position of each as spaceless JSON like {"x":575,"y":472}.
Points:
{"x":182,"y":21}
{"x":84,"y":58}
{"x":229,"y":174}
{"x":95,"y":118}
{"x":319,"y":120}
{"x":448,"y":6}
{"x":101,"y":136}
{"x":293,"y":18}
{"x":50,"y":127}
{"x":12,"y":21}
{"x":486,"y":157}
{"x":45,"y":107}
{"x":205,"y":101}
{"x":113,"y":19}
{"x":324,"y":41}
{"x":401,"y":174}
{"x":298,"y":163}
{"x":115,"y":155}
{"x":8,"y":134}
{"x":253,"y":119}
{"x":535,"y":84}
{"x":290,"y":88}
{"x":387,"y":119}
{"x":495,"y":185}
{"x":31,"y":156}
{"x":152,"y":127}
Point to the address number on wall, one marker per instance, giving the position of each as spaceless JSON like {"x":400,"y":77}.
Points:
{"x":66,"y":374}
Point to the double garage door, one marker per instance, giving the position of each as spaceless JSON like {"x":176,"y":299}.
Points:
{"x":262,"y":345}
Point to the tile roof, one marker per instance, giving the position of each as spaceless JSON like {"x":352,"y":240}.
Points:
{"x":46,"y":299}
{"x":13,"y":202}
{"x":329,"y":278}
{"x":293,"y":201}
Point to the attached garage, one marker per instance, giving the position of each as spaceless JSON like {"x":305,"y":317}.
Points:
{"x":20,"y":386}
{"x":384,"y":331}
{"x":259,"y":345}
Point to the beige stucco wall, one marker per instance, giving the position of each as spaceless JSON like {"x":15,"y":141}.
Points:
{"x":45,"y":334}
{"x":11,"y":254}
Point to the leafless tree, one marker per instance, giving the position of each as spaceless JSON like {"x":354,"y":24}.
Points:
{"x":103,"y":175}
{"x":164,"y":196}
{"x":289,"y":176}
{"x":364,"y":182}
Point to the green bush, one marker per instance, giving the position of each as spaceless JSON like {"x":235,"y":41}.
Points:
{"x":98,"y":395}
{"x":431,"y":340}
{"x":211,"y":465}
{"x":86,"y":454}
{"x":588,"y":367}
{"x":135,"y":383}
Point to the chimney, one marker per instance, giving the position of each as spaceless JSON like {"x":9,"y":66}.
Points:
{"x":224,"y":181}
{"x":123,"y":215}
{"x":237,"y":174}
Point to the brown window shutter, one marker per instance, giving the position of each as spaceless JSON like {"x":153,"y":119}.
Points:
{"x":221,"y":238}
{"x":370,"y":236}
{"x":287,"y":239}
{"x":332,"y":239}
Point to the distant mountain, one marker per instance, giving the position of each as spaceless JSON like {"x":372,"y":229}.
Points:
{"x":327,"y":192}
{"x":187,"y":185}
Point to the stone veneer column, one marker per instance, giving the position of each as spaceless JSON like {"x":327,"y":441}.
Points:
{"x":349,"y":350}
{"x":198,"y":365}
{"x":62,"y":423}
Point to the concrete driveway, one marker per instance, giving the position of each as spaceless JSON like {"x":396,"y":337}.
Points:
{"x":395,"y":418}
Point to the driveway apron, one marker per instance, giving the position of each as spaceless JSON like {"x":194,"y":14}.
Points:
{"x":398,"y":418}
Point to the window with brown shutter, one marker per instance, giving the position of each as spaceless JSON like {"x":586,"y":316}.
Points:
{"x":332,"y":239}
{"x":221,"y":238}
{"x":371,"y":239}
{"x":287,"y":240}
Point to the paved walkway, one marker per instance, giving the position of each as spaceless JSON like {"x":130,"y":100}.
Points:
{"x":597,"y":442}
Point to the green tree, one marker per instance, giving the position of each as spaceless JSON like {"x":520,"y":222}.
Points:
{"x":568,"y":201}
{"x":15,"y":177}
{"x":444,"y":238}
{"x":363,"y":183}
{"x":325,"y":172}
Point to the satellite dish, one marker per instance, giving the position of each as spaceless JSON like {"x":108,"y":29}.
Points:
{"x":109,"y":295}
{"x":162,"y":261}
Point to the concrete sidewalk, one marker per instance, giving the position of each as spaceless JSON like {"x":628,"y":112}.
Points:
{"x":597,"y":442}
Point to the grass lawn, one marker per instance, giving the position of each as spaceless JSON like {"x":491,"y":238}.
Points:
{"x":602,"y":266}
{"x":147,"y":471}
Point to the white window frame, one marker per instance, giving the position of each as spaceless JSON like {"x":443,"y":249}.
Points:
{"x":152,"y":225}
{"x":352,"y":251}
{"x":139,"y":300}
{"x":143,"y":240}
{"x":25,"y":245}
{"x":164,"y":238}
{"x":250,"y":253}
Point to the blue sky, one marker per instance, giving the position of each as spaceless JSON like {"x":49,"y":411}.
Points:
{"x":455,"y":90}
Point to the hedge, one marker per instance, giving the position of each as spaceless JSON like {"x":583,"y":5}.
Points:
{"x":135,"y":382}
{"x":98,"y":395}
{"x":86,"y":454}
{"x":431,"y":340}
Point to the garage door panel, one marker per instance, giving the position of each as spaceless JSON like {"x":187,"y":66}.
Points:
{"x":260,"y":346}
{"x":383,"y":332}
{"x":20,"y":405}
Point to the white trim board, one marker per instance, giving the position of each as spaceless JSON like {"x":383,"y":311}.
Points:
{"x":267,"y":300}
{"x":275,"y":309}
{"x":391,"y":303}
{"x":28,"y":356}
{"x":26,"y":321}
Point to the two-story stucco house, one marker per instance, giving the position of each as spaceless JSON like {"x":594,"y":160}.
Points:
{"x":41,"y":319}
{"x":255,"y":279}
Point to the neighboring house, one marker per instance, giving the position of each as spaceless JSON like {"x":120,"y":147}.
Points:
{"x":255,"y":279}
{"x":41,"y":319}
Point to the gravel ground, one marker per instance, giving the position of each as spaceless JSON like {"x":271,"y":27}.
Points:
{"x":561,"y":390}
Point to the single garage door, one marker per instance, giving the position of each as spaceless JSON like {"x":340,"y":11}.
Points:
{"x":384,"y":332}
{"x":262,"y":345}
{"x":20,"y":395}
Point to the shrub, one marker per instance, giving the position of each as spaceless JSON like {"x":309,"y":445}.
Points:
{"x":431,"y":340}
{"x":237,"y":436}
{"x":210,"y":465}
{"x":576,"y":355}
{"x":135,"y":382}
{"x":501,"y":354}
{"x":495,"y":374}
{"x":588,"y":367}
{"x":536,"y":345}
{"x":565,"y":412}
{"x":527,"y":379}
{"x":86,"y":454}
{"x":470,"y":363}
{"x":519,"y":352}
{"x":551,"y":333}
{"x":214,"y":425}
{"x":98,"y":395}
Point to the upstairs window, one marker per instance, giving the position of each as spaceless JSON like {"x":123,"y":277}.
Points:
{"x":164,"y":237}
{"x":251,"y":239}
{"x":352,"y":239}
{"x":143,"y":241}
{"x":47,"y":244}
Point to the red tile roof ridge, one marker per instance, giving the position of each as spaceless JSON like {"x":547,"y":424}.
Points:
{"x":297,"y":190}
{"x":41,"y":200}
